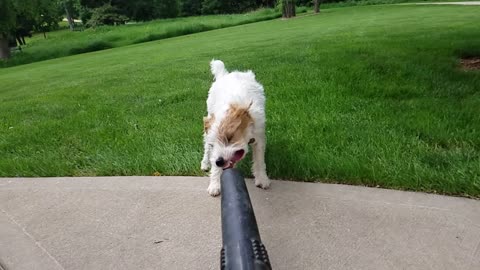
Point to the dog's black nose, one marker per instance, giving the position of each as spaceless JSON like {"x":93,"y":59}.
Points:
{"x":220,"y":162}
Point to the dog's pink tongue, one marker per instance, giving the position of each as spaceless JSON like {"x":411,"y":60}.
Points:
{"x":238,"y":155}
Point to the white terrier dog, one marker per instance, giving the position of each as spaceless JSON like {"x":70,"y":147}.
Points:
{"x":236,"y":118}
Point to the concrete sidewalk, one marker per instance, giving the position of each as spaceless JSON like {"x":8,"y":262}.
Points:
{"x":171,"y":223}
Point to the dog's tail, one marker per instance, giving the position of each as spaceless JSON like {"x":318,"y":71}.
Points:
{"x":218,"y":69}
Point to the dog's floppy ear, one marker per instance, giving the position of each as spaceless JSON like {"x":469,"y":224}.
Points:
{"x":208,"y":122}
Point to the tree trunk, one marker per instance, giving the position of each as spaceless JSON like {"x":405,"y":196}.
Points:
{"x":288,"y":9}
{"x":71,"y":23}
{"x":4,"y":48}
{"x":316,"y":7}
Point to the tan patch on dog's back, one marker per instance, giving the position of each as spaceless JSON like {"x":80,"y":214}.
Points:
{"x":233,"y":127}
{"x":208,"y":122}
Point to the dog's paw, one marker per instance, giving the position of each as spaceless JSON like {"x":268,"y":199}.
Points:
{"x":262,"y":182}
{"x":205,"y":166}
{"x":213,"y":189}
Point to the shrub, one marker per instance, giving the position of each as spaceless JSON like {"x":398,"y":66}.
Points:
{"x":167,"y":9}
{"x":190,"y":7}
{"x":106,"y":14}
{"x":225,"y":7}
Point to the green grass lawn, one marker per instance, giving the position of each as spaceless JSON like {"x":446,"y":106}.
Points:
{"x":65,"y":42}
{"x":349,"y":3}
{"x":364,"y":95}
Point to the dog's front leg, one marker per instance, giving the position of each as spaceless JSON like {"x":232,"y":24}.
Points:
{"x":259,"y":168}
{"x":214,"y":186}
{"x":207,"y":148}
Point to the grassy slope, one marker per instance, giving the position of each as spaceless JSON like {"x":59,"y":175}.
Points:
{"x":64,"y":42}
{"x":366,"y":95}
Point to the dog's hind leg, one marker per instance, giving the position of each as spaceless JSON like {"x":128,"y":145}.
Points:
{"x":259,"y":168}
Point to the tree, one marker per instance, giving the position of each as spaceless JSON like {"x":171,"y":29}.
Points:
{"x":140,"y":10}
{"x":46,"y":15}
{"x":18,"y":19}
{"x":69,"y":7}
{"x":94,"y":3}
{"x":288,"y":8}
{"x":190,"y":7}
{"x":265,"y":3}
{"x":106,"y":14}
{"x":305,"y":3}
{"x":86,"y":8}
{"x":16,"y":22}
{"x":85,"y":14}
{"x":227,"y":6}
{"x":316,"y":6}
{"x":24,"y":24}
{"x":7,"y":25}
{"x":232,"y":6}
{"x":213,"y":7}
{"x":166,"y":8}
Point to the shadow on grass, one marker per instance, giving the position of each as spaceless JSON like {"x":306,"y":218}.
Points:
{"x":93,"y":46}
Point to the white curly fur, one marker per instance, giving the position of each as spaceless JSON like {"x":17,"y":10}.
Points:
{"x":239,"y":88}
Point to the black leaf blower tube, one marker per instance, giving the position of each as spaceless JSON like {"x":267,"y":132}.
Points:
{"x":242,"y":247}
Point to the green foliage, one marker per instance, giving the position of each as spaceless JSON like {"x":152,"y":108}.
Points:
{"x":85,"y":14}
{"x":227,"y":6}
{"x":141,"y":10}
{"x":25,"y":24}
{"x":7,"y":18}
{"x":190,"y":7}
{"x":167,"y":9}
{"x":94,"y":3}
{"x":305,"y":3}
{"x":213,"y":7}
{"x":266,"y":3}
{"x":144,"y":10}
{"x":23,"y":16}
{"x":279,"y":5}
{"x":47,"y":15}
{"x":72,"y":5}
{"x":106,"y":15}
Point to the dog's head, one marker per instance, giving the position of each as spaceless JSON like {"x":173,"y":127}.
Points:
{"x":231,"y":136}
